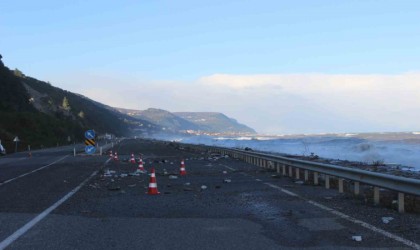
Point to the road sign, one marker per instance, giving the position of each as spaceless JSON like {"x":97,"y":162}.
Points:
{"x":90,"y":134}
{"x":16,"y":139}
{"x":90,"y":149}
{"x":90,"y":142}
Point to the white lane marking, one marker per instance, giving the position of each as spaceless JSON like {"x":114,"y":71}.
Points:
{"x":33,"y":171}
{"x":258,"y":180}
{"x":351,"y":219}
{"x":229,"y":168}
{"x":21,"y":231}
{"x":281,"y":189}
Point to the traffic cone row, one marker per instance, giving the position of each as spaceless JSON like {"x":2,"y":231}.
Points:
{"x":152,"y":183}
{"x":141,"y":168}
{"x":132,"y":159}
{"x":182,"y":170}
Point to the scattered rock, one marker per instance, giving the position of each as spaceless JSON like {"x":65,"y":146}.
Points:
{"x":173,"y":177}
{"x":188,"y":189}
{"x":187,"y":184}
{"x":217,"y":187}
{"x":387,"y":220}
{"x":203,"y":187}
{"x":224,"y":172}
{"x":113,"y":187}
{"x":227,"y":180}
{"x":133,"y":185}
{"x":123,"y":175}
{"x":299,"y":182}
{"x":357,"y":238}
{"x":276,"y":176}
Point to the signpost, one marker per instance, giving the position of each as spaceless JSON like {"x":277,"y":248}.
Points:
{"x":90,"y":142}
{"x":16,"y":140}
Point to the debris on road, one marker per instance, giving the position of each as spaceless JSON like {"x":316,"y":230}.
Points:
{"x":173,"y":177}
{"x":203,"y":187}
{"x":299,"y":182}
{"x":357,"y":238}
{"x":387,"y":220}
{"x":227,"y":180}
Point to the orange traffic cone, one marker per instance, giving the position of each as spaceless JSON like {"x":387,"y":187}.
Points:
{"x":152,"y":183}
{"x":115,"y":156}
{"x":110,"y":154}
{"x":182,"y":170}
{"x":132,"y":159}
{"x":141,"y":168}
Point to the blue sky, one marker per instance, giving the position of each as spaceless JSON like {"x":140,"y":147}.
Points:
{"x":165,"y":46}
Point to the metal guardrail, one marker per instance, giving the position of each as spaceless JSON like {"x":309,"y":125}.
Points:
{"x":403,"y":185}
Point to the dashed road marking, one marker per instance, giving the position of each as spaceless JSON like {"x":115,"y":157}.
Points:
{"x":229,"y":168}
{"x":281,"y":189}
{"x":21,"y":231}
{"x":351,"y":219}
{"x":33,"y":171}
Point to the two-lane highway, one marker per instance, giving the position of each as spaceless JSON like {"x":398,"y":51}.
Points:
{"x":221,"y":203}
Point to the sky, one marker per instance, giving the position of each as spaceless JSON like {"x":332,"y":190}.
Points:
{"x":280,"y":67}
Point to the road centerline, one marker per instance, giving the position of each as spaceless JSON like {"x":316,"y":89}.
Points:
{"x":33,"y":171}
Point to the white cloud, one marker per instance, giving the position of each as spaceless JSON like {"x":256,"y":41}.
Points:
{"x":287,"y":103}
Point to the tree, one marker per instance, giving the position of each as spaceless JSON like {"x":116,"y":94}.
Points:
{"x":18,"y":73}
{"x":66,"y":104}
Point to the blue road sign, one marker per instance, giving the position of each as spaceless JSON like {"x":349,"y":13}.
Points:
{"x":90,"y":134}
{"x":90,"y":149}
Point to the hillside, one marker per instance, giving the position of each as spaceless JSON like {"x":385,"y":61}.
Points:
{"x":43,"y":115}
{"x":216,"y":122}
{"x":167,"y":120}
{"x":191,"y":122}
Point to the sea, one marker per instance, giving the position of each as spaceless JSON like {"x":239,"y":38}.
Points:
{"x":396,"y":149}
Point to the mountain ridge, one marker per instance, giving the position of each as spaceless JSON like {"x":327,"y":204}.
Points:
{"x":191,"y":122}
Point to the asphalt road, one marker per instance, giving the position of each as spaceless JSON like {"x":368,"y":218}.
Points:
{"x":54,"y":200}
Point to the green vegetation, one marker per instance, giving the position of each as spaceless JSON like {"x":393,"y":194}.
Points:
{"x":42,"y":115}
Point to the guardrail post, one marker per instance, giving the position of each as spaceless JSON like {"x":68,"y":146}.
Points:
{"x":290,"y":171}
{"x":376,"y":195}
{"x":306,"y":175}
{"x":401,"y":204}
{"x":356,"y":188}
{"x":316,"y":180}
{"x":284,"y":170}
{"x":327,"y":181}
{"x":297,"y":173}
{"x":340,"y":185}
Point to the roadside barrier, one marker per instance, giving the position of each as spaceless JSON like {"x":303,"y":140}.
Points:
{"x":312,"y":170}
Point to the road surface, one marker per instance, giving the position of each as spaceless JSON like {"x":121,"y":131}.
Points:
{"x":54,"y":200}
